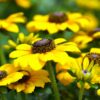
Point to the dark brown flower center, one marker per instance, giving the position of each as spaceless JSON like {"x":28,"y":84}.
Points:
{"x":43,"y":46}
{"x":58,"y":17}
{"x":94,"y":56}
{"x":24,"y":79}
{"x":3,"y":74}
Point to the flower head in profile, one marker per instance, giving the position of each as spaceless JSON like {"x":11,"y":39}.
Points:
{"x":85,"y":68}
{"x":9,"y":74}
{"x":58,"y":21}
{"x":9,"y":24}
{"x":22,"y":38}
{"x":30,"y":80}
{"x":82,"y":39}
{"x":41,"y":51}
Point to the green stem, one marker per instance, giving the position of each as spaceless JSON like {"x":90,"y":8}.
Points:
{"x":53,"y":81}
{"x":4,"y":97}
{"x":2,"y":56}
{"x":81,"y":92}
{"x":19,"y":96}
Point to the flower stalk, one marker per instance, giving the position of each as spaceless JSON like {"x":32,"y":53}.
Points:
{"x":2,"y":56}
{"x":81,"y":92}
{"x":53,"y":81}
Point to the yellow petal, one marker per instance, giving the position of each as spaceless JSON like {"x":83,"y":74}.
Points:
{"x":12,"y":28}
{"x":41,"y":18}
{"x":65,"y":78}
{"x":21,"y":37}
{"x":24,"y":3}
{"x":17,"y":17}
{"x":59,"y":40}
{"x":24,"y":47}
{"x":60,"y":57}
{"x":71,"y":47}
{"x":73,"y":26}
{"x":12,"y":43}
{"x":30,"y":87}
{"x":35,"y":63}
{"x":52,"y":28}
{"x":85,"y":63}
{"x":19,"y":87}
{"x":95,"y":50}
{"x":62,"y":26}
{"x":18,"y":53}
{"x":11,"y":78}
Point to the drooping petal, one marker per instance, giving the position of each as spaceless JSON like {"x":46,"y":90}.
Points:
{"x":30,"y":87}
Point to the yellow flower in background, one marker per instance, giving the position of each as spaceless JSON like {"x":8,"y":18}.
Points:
{"x":9,"y":24}
{"x":89,"y":22}
{"x":41,"y":51}
{"x":57,"y":21}
{"x":24,"y":3}
{"x":92,"y":4}
{"x":22,"y":38}
{"x":85,"y":68}
{"x":65,"y":78}
{"x":98,"y":92}
{"x":30,"y":80}
{"x":62,"y":73}
{"x":9,"y":75}
{"x":82,"y":38}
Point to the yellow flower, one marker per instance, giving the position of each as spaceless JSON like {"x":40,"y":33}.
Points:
{"x":93,"y":22}
{"x":9,"y":75}
{"x":22,"y":38}
{"x":98,"y":92}
{"x":30,"y":80}
{"x":57,"y":21}
{"x":85,"y":68}
{"x":65,"y":78}
{"x":41,"y":51}
{"x":62,"y":73}
{"x":83,"y":38}
{"x":24,"y":3}
{"x":93,"y":4}
{"x":9,"y":24}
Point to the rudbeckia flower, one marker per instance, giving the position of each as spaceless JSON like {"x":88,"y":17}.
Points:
{"x":85,"y":68}
{"x":22,"y":38}
{"x":41,"y":51}
{"x":24,"y":3}
{"x":57,"y":21}
{"x":9,"y":75}
{"x":9,"y":24}
{"x":30,"y":80}
{"x":83,"y":38}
